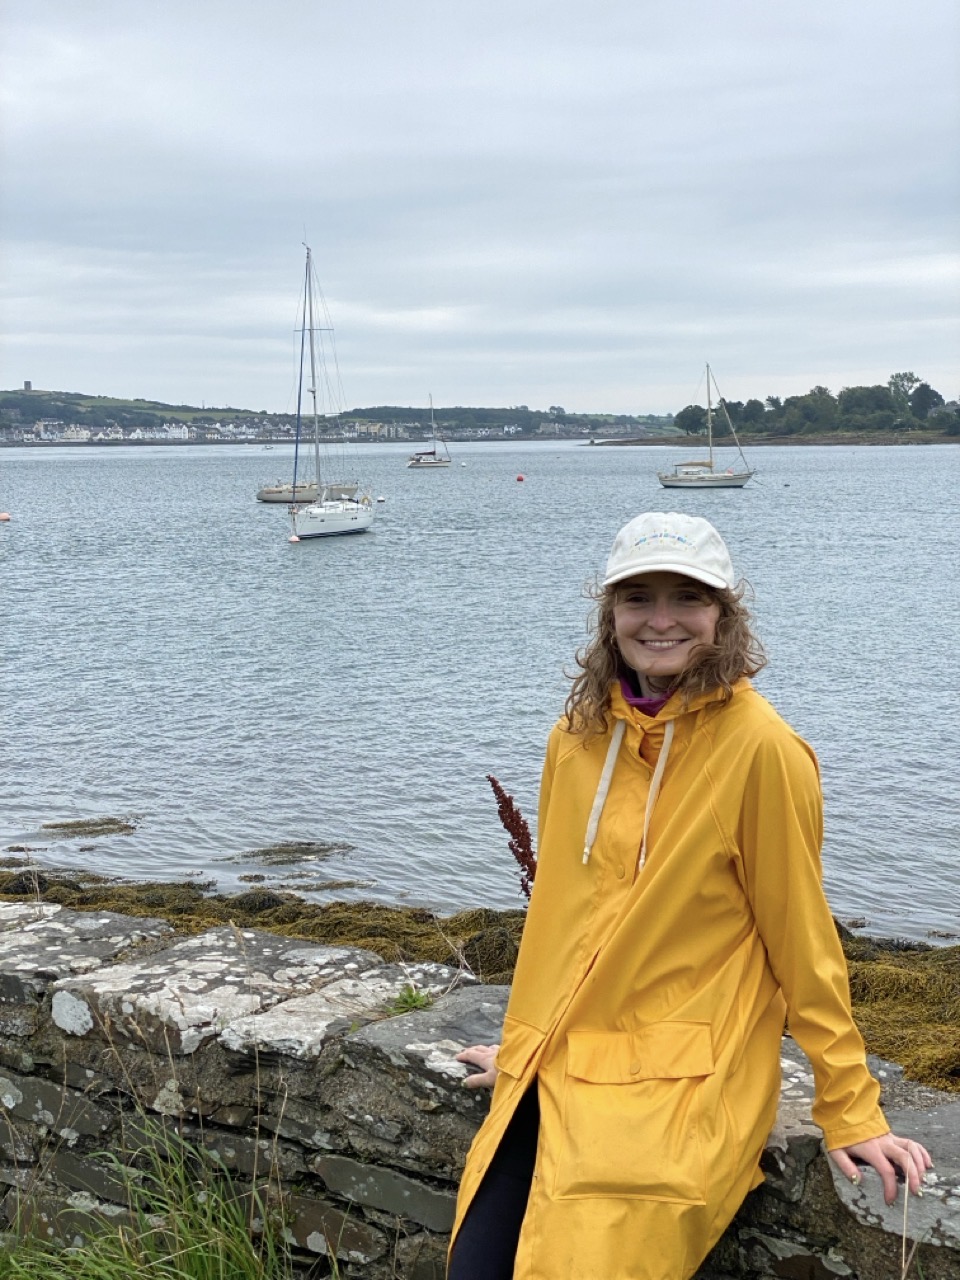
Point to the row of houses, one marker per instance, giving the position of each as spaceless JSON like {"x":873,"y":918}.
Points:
{"x":55,"y":430}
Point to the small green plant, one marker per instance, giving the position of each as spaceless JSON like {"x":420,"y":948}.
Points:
{"x":409,"y":998}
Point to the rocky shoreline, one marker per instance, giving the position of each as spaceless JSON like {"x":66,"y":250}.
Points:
{"x":827,"y":438}
{"x":322,"y":1075}
{"x":906,"y":994}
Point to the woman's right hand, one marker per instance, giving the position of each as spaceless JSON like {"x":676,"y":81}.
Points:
{"x":482,"y":1056}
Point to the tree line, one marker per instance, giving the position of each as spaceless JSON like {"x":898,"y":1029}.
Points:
{"x":904,"y":403}
{"x":521,"y":416}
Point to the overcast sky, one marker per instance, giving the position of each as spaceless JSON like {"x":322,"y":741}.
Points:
{"x":509,"y":202}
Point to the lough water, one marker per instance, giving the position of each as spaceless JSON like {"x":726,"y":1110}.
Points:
{"x":168,"y":654}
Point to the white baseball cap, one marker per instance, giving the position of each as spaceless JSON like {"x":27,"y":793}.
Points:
{"x":668,"y":542}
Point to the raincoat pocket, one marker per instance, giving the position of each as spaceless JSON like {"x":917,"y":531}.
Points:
{"x":631,"y":1113}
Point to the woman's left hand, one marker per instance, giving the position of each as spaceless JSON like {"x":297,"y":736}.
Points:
{"x":484,"y":1058}
{"x":886,"y":1155}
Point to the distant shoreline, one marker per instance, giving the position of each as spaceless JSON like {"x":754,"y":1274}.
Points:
{"x":694,"y":443}
{"x":690,"y":443}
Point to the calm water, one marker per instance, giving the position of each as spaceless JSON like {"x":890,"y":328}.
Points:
{"x":168,"y":654}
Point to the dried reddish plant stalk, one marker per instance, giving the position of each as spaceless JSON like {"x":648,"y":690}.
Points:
{"x":520,"y":842}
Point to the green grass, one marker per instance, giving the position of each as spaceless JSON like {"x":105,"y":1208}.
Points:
{"x":409,"y":998}
{"x":186,"y":1220}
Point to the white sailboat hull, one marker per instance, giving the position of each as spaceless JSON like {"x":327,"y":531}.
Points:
{"x":427,"y":464}
{"x":331,"y":519}
{"x":736,"y":480}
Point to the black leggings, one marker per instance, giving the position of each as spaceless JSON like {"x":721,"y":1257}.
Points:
{"x":486,"y":1245}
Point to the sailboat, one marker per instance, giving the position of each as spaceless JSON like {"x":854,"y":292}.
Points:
{"x":283,"y":492}
{"x":336,"y":506}
{"x":437,"y":456}
{"x":704,"y":474}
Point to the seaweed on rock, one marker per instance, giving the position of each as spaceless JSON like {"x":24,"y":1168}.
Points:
{"x":906,"y":996}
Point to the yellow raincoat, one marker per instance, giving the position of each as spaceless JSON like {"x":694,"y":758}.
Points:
{"x":650,"y":1002}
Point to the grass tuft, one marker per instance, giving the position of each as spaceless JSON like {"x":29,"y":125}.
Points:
{"x":409,"y":998}
{"x":185,"y":1219}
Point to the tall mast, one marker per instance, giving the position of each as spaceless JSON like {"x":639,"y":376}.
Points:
{"x":313,"y":372}
{"x":709,"y":413}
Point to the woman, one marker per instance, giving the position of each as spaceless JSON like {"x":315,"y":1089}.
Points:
{"x":677,"y":918}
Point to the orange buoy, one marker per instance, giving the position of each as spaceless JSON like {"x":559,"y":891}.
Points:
{"x":519,"y":477}
{"x":4,"y":517}
{"x":293,"y":538}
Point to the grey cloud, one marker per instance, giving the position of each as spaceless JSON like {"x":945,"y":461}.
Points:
{"x":522,"y":203}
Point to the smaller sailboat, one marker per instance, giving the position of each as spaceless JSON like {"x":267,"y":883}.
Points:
{"x":438,"y":455}
{"x":705,"y":474}
{"x":337,"y":506}
{"x":306,"y":492}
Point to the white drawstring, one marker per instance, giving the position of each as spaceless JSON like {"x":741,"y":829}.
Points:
{"x":655,"y":788}
{"x":603,"y":789}
{"x":599,"y":800}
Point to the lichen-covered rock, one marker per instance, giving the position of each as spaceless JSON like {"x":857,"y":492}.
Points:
{"x":174,"y":1000}
{"x":394,"y":1093}
{"x":318,"y":1226}
{"x":384,"y":1189}
{"x":808,"y":1221}
{"x":52,"y":1109}
{"x":300,"y":1028}
{"x":42,"y":942}
{"x":933,"y":1218}
{"x":67,"y":1218}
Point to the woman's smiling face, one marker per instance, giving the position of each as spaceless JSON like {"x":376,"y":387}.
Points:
{"x":660,"y":620}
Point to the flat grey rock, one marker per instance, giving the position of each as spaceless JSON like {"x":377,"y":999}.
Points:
{"x":393,"y":1093}
{"x":176,"y":999}
{"x":933,"y":1217}
{"x":43,"y":942}
{"x":384,"y":1189}
{"x":299,"y":1028}
{"x":52,"y":1108}
{"x":427,"y":1042}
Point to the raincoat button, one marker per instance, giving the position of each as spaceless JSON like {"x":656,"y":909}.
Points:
{"x":635,"y":1068}
{"x":620,"y":873}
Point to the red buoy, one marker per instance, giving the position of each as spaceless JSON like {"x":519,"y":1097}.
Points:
{"x":519,"y":477}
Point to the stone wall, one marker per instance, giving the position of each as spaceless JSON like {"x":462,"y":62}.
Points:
{"x":300,"y":1061}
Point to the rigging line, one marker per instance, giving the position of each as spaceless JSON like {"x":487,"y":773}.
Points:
{"x":296,"y":438}
{"x":337,"y":395}
{"x":294,"y":334}
{"x":333,"y":383}
{"x":726,"y":414}
{"x":696,"y":390}
{"x":329,"y":381}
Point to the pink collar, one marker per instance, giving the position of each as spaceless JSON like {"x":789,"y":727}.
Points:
{"x":649,"y":706}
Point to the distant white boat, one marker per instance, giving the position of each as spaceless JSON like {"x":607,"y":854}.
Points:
{"x":704,"y":474}
{"x":435,"y":457}
{"x":335,"y":506}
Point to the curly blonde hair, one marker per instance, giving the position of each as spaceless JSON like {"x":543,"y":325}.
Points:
{"x":736,"y":652}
